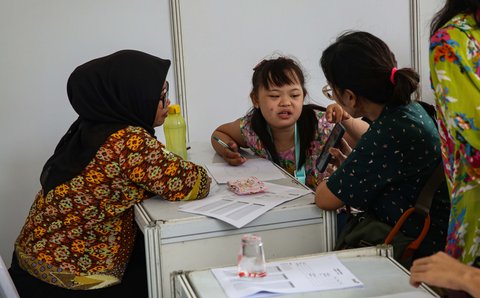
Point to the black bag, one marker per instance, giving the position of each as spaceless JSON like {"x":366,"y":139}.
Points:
{"x":364,"y":229}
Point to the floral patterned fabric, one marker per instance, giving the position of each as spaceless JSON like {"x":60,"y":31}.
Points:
{"x":287,"y":158}
{"x":455,"y":75}
{"x":80,"y":234}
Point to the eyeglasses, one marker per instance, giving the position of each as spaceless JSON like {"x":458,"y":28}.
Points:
{"x":164,"y":94}
{"x":328,"y":91}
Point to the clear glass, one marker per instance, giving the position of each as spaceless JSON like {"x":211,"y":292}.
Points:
{"x":251,"y":258}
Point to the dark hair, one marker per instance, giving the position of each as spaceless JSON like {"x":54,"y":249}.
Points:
{"x":451,"y":9}
{"x":363,"y":63}
{"x":279,"y":72}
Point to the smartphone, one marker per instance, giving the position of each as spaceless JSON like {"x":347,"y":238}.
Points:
{"x":333,"y":141}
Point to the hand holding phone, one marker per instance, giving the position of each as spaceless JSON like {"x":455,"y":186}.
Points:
{"x":333,"y":141}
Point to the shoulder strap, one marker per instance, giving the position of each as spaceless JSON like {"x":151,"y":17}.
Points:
{"x":423,"y":204}
{"x":424,"y":200}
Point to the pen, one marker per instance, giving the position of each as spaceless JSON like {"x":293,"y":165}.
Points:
{"x":227,"y":146}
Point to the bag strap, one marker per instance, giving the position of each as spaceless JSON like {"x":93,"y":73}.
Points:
{"x":422,"y":206}
{"x":424,"y":200}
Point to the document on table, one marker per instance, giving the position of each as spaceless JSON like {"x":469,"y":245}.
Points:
{"x":261,"y":168}
{"x":416,"y":294}
{"x":240,"y":210}
{"x":296,"y":276}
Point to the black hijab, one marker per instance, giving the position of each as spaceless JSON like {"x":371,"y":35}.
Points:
{"x":108,"y":93}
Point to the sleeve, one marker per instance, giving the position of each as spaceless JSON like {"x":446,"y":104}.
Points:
{"x":144,"y":161}
{"x":454,"y":71}
{"x":324,"y":128}
{"x":251,"y":138}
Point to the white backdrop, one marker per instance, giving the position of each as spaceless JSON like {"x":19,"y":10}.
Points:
{"x":41,"y":43}
{"x":427,"y":9}
{"x":224,"y":40}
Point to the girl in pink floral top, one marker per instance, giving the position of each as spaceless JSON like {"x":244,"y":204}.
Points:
{"x":280,"y":124}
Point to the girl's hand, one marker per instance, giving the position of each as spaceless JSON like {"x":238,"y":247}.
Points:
{"x":233,"y":158}
{"x":335,"y":113}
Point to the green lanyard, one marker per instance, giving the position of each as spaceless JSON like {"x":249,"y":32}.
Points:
{"x":299,"y":173}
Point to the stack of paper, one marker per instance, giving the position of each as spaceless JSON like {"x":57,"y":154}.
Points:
{"x":296,"y":276}
{"x":240,"y":210}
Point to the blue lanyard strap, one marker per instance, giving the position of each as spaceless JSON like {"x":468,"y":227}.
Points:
{"x":299,"y":173}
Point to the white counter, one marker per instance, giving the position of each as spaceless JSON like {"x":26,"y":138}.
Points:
{"x":176,"y":240}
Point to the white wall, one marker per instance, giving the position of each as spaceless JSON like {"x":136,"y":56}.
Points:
{"x":224,"y":40}
{"x":41,"y":43}
{"x":427,"y":9}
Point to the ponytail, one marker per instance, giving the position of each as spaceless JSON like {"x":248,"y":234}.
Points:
{"x":363,"y":63}
{"x":405,"y":84}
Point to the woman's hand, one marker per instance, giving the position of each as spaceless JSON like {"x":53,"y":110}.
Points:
{"x":162,"y":113}
{"x":442,"y":270}
{"x":335,"y":113}
{"x":340,"y":154}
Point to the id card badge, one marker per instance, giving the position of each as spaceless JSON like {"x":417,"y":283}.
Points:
{"x":300,"y":175}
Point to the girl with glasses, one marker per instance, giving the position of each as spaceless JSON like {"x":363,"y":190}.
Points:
{"x":386,"y":170}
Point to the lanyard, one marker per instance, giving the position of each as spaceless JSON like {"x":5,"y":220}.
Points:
{"x":299,"y":173}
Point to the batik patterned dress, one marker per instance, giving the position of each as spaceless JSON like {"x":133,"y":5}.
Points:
{"x":455,"y":75}
{"x":80,"y":234}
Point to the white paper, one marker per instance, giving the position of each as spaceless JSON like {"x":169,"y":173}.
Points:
{"x":261,"y":168}
{"x":308,"y":275}
{"x":416,"y":294}
{"x":239,"y":210}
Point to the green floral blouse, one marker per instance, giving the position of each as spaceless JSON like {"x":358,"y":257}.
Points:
{"x":455,"y":75}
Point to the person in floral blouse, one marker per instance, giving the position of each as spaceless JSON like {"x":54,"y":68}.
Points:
{"x":280,"y":126}
{"x":80,"y":237}
{"x":455,"y":76}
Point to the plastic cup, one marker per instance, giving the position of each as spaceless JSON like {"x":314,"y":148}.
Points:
{"x":251,"y":258}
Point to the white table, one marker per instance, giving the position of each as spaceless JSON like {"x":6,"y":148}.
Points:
{"x":176,"y":240}
{"x":382,"y":277}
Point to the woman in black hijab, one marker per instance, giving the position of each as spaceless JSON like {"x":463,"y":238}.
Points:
{"x":79,"y":237}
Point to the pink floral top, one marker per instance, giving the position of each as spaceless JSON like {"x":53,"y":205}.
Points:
{"x":287,"y":158}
